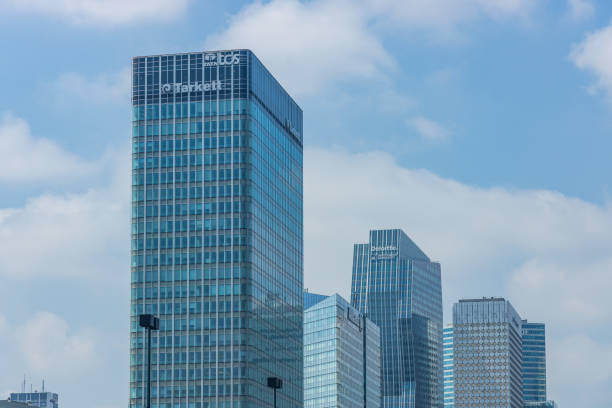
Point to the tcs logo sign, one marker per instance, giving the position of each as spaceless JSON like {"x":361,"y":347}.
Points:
{"x":215,"y":59}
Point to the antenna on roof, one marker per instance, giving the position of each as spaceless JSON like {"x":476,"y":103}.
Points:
{"x":43,"y":387}
{"x":23,"y":387}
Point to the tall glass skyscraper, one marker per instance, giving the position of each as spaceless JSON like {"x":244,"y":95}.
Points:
{"x":449,"y":367}
{"x":341,"y":355}
{"x":534,"y":364}
{"x":217,"y":232}
{"x":397,"y":286}
{"x":488,"y":354}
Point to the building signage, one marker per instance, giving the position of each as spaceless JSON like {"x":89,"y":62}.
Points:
{"x":214,"y":59}
{"x":195,"y":87}
{"x":383,"y":252}
{"x":291,"y":129}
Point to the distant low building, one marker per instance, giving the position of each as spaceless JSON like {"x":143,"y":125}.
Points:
{"x":12,"y":404}
{"x":34,"y":399}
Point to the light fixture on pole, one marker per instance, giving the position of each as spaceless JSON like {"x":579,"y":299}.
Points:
{"x":275,"y":383}
{"x":149,"y":322}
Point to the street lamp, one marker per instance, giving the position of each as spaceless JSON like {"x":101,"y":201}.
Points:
{"x":149,"y":322}
{"x":275,"y":383}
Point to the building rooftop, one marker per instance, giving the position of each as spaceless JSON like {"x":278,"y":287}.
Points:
{"x":483,"y":299}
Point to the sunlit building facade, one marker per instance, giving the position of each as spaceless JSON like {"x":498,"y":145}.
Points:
{"x":488,"y":354}
{"x":217,"y":232}
{"x":399,"y":288}
{"x":341,"y":356}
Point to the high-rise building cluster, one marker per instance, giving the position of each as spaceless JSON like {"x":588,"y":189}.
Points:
{"x":217,"y":256}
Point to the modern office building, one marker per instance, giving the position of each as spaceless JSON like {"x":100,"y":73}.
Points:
{"x":36,"y":399}
{"x":398,"y":287}
{"x":311,"y":299}
{"x":341,"y":356}
{"x":534,"y":364}
{"x":488,"y":354}
{"x":449,"y":367}
{"x":217,"y":232}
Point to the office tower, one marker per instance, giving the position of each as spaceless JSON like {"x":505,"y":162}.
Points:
{"x":341,"y":356}
{"x":534,"y":364}
{"x":448,"y":366}
{"x":488,"y":354}
{"x":312,"y":298}
{"x":217,"y":243}
{"x":42,"y":399}
{"x":397,"y":286}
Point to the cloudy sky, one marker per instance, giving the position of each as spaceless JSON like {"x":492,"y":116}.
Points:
{"x":482,"y":128}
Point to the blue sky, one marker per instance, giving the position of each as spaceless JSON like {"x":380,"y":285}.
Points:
{"x":480,"y":127}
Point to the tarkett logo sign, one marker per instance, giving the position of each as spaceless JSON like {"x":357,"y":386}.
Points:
{"x":196,"y":87}
{"x":217,"y":59}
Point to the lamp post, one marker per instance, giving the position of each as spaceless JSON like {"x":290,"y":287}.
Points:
{"x":275,"y":383}
{"x":149,"y":322}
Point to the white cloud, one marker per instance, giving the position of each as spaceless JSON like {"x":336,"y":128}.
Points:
{"x":102,"y":89}
{"x":48,"y":346}
{"x":24,"y":158}
{"x":582,"y":282}
{"x":60,"y":235}
{"x":428,"y":129}
{"x":2,"y":322}
{"x":549,"y":254}
{"x":594,"y":54}
{"x":307,"y":44}
{"x":103,"y":12}
{"x":579,"y":370}
{"x":311,"y":45}
{"x":443,"y":16}
{"x":580,"y":9}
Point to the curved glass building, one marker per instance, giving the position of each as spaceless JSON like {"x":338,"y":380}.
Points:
{"x":217,"y":242}
{"x":398,"y":287}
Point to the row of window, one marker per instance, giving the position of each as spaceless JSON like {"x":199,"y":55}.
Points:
{"x":182,"y":374}
{"x":183,"y":128}
{"x":178,"y":308}
{"x":194,"y":143}
{"x":191,"y":258}
{"x":191,"y":391}
{"x":177,"y":275}
{"x":193,"y":109}
{"x":184,"y":177}
{"x":179,"y":291}
{"x":168,"y":226}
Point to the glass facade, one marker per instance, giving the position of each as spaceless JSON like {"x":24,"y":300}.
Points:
{"x":449,"y":369}
{"x":217,"y":232}
{"x":36,"y":399}
{"x":397,"y":286}
{"x":341,"y":356}
{"x":534,"y":364}
{"x":488,"y":354}
{"x":312,"y":298}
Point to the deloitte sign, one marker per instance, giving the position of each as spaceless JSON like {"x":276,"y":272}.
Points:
{"x":218,"y":59}
{"x":195,"y":87}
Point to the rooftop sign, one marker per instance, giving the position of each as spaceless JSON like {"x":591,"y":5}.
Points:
{"x":195,"y":87}
{"x":213,"y":59}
